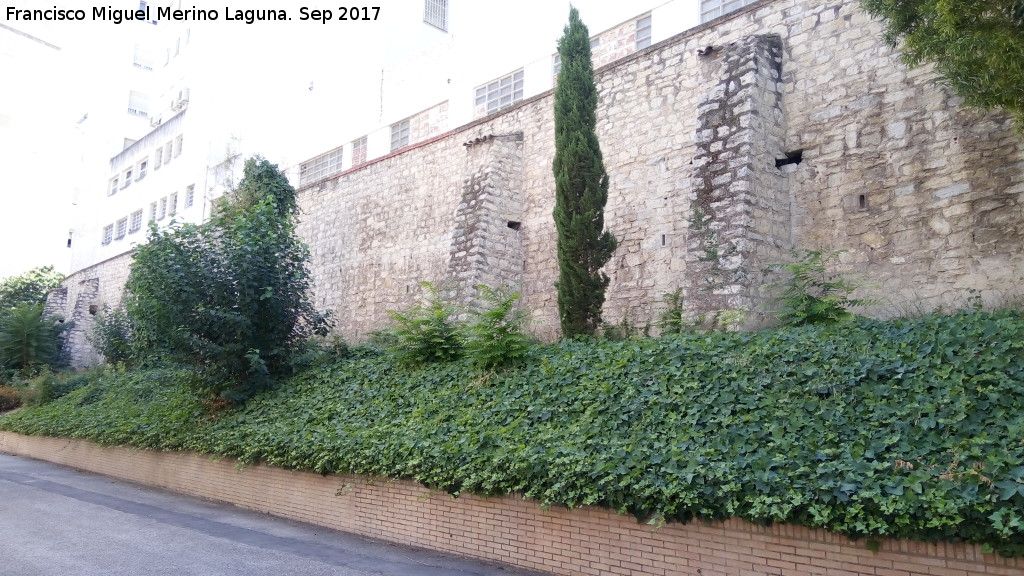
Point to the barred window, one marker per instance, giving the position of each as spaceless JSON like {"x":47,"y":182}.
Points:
{"x":643,"y":32}
{"x":152,"y":212}
{"x":400,"y":134}
{"x":122,"y":228}
{"x":136,"y":222}
{"x":711,"y":9}
{"x":167,"y":153}
{"x":177,"y":145}
{"x":359,"y":151}
{"x":162,"y":211}
{"x":143,"y":59}
{"x":435,"y":13}
{"x":190,"y":196}
{"x":108,"y":233}
{"x":500,"y":93}
{"x":138,"y":104}
{"x":322,"y":166}
{"x":172,"y":204}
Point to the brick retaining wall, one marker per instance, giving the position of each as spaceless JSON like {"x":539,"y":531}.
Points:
{"x":513,"y":530}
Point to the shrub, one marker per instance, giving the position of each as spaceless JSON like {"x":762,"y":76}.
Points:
{"x":9,"y":398}
{"x":231,"y":295}
{"x":427,"y":332}
{"x":811,"y":294}
{"x":111,"y":335}
{"x":494,"y":337}
{"x":29,"y":338}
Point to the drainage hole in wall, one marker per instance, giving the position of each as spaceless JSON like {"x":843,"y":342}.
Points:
{"x":514,"y":225}
{"x":794,"y":157}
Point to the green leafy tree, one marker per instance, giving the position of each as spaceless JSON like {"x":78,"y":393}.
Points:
{"x":231,"y":294}
{"x":28,"y":288}
{"x":977,"y":45}
{"x":581,"y":187}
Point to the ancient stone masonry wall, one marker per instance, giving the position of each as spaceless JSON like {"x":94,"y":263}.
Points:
{"x":739,"y":220}
{"x":81,"y":297}
{"x":486,"y":244}
{"x":925,"y":197}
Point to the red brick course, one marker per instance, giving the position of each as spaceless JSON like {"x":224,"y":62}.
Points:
{"x":515,"y":531}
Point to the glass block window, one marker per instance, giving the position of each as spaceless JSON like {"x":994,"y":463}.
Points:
{"x":435,"y":13}
{"x":135,"y":224}
{"x":122,"y":228}
{"x":359,"y":151}
{"x":320,"y":167}
{"x":138,"y":104}
{"x":500,"y":93}
{"x":108,"y":233}
{"x":400,"y":134}
{"x":643,"y":32}
{"x":190,"y":196}
{"x":711,"y":9}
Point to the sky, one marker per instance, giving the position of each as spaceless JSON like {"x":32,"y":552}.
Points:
{"x":48,"y":70}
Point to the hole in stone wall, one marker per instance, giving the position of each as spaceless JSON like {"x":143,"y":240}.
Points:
{"x":514,"y":225}
{"x":794,"y":157}
{"x":862,"y":202}
{"x":663,"y":239}
{"x":93,"y":309}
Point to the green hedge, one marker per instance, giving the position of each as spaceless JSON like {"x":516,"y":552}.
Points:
{"x":907,"y":428}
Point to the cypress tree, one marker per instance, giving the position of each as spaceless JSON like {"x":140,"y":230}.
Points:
{"x":581,"y":187}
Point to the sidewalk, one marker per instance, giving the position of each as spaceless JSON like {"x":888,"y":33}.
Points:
{"x":59,"y":521}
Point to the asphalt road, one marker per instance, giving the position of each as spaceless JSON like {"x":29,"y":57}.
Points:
{"x":55,"y":521}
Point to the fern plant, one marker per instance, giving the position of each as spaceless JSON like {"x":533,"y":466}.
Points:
{"x":495,"y":336}
{"x":426,"y":332}
{"x":812,"y":294}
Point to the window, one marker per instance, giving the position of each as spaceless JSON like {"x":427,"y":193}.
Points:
{"x":135,"y":224}
{"x":500,"y":93}
{"x":142,"y":58}
{"x":359,"y":151}
{"x":138,"y":104}
{"x":556,"y":64}
{"x":399,"y":135}
{"x":320,"y":167}
{"x":643,"y":32}
{"x":142,"y":169}
{"x":113,"y":186}
{"x":435,"y":13}
{"x":167,"y":153}
{"x":108,"y":233}
{"x":177,"y":145}
{"x":127,"y":180}
{"x":711,"y":9}
{"x":158,"y":158}
{"x":122,"y":228}
{"x":172,"y":204}
{"x":190,"y":196}
{"x":163,"y":209}
{"x":152,"y":212}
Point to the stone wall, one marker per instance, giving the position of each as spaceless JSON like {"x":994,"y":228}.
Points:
{"x":924,"y":196}
{"x":516,"y":531}
{"x":81,"y":297}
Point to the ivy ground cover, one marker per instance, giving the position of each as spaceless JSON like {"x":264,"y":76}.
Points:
{"x":904,"y":428}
